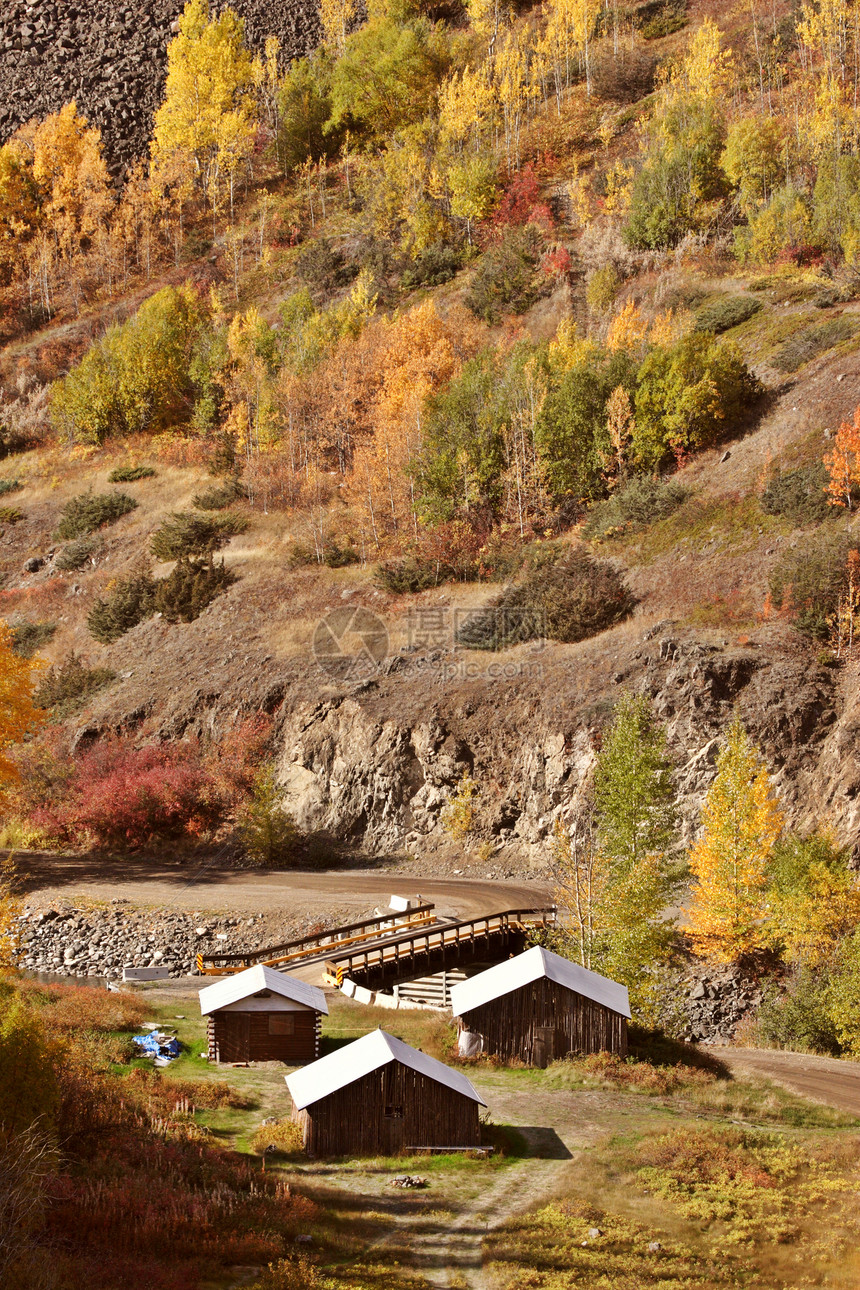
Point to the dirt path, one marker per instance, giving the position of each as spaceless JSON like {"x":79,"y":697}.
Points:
{"x":439,"y":1233}
{"x":215,"y":889}
{"x":824,"y":1079}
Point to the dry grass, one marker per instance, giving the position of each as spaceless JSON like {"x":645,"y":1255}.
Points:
{"x":76,"y":1007}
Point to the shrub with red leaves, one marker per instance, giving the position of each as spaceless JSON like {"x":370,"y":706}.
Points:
{"x":556,"y":263}
{"x":120,"y":795}
{"x":803,"y":255}
{"x":522,"y":203}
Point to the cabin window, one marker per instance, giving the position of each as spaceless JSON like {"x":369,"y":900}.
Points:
{"x":394,"y":1112}
{"x":282,"y":1023}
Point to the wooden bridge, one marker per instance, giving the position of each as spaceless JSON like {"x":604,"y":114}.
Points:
{"x":318,"y":945}
{"x":422,"y":951}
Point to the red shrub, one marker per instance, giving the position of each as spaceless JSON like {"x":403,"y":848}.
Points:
{"x":122,"y":795}
{"x":803,"y":255}
{"x":235,"y":760}
{"x":556,"y":263}
{"x":522,"y":203}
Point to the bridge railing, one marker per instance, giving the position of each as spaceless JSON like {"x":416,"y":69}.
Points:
{"x":211,"y":963}
{"x":413,"y":944}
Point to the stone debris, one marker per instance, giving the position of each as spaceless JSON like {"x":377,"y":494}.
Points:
{"x":408,"y":1180}
{"x":718,"y":1000}
{"x":78,"y":942}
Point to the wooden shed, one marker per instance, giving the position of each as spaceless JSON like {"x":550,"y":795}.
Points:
{"x":378,"y":1096}
{"x":539,"y":1006}
{"x":261,"y":1015}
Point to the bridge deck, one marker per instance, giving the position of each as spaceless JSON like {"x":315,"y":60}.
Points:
{"x":419,"y":952}
{"x":318,"y":945}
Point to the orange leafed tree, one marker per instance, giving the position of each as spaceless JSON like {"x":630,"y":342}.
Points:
{"x":742,"y":822}
{"x":18,"y":713}
{"x":843,"y":464}
{"x":421,"y":353}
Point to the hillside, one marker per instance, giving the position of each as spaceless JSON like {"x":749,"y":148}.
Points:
{"x":573,"y":349}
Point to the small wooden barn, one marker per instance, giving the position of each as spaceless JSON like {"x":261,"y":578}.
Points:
{"x":378,"y":1096}
{"x":539,"y":1006}
{"x":261,"y":1015}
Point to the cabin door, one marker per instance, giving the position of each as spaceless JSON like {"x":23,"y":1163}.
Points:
{"x":237,"y":1037}
{"x":394,"y":1108}
{"x":544,"y":1046}
{"x":245,"y":1037}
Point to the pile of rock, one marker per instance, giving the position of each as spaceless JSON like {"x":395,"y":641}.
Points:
{"x":82,"y":943}
{"x":718,"y":1000}
{"x":111,"y":59}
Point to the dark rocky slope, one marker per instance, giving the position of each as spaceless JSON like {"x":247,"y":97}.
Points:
{"x":111,"y":59}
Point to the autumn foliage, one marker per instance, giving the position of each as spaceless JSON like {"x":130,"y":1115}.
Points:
{"x":843,"y":464}
{"x":139,"y":1194}
{"x":729,"y":863}
{"x":18,"y":714}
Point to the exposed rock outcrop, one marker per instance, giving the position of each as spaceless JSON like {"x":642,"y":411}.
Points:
{"x":378,"y":765}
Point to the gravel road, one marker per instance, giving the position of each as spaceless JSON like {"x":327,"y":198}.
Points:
{"x":825,"y":1079}
{"x":213,"y":889}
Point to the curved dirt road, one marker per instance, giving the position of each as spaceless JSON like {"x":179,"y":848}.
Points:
{"x":824,"y":1079}
{"x":215,"y":889}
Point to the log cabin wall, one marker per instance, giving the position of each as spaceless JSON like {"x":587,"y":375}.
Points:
{"x":542,"y":1021}
{"x":387,"y":1111}
{"x":292,"y":1037}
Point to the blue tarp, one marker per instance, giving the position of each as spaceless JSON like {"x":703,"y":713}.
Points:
{"x":166,"y":1049}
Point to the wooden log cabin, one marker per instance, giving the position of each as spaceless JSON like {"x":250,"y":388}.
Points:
{"x":378,"y":1096}
{"x":538,"y":1007}
{"x":261,"y":1015}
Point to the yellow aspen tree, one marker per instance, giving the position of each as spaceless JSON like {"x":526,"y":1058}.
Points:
{"x":18,"y":713}
{"x":620,"y":425}
{"x":669,"y":327}
{"x":250,"y":383}
{"x":418,"y":357}
{"x":813,"y":900}
{"x":485,"y":18}
{"x":69,"y":168}
{"x":467,"y":110}
{"x":336,"y":17}
{"x":513,"y":88}
{"x":568,"y":348}
{"x":628,"y":329}
{"x":19,"y":201}
{"x":742,"y":822}
{"x":74,"y":200}
{"x":207,"y":120}
{"x":706,"y":69}
{"x":566,"y":42}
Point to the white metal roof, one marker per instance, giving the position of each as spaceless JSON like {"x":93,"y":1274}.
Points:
{"x":241,"y":985}
{"x":353,"y":1061}
{"x":531,"y":966}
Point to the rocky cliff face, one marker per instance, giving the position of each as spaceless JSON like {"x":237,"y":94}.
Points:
{"x":111,"y":59}
{"x":377,"y":765}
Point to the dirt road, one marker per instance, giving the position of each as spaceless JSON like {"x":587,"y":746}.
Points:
{"x":825,"y":1079}
{"x":216,"y":889}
